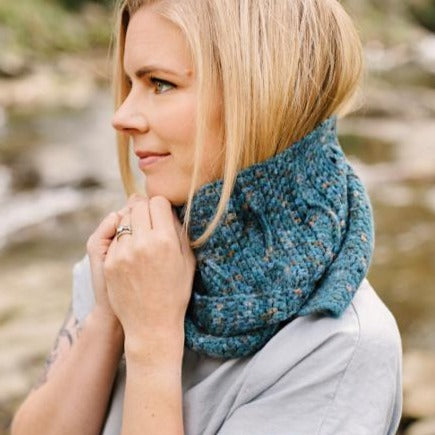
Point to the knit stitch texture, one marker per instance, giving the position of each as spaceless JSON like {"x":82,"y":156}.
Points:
{"x":296,"y":238}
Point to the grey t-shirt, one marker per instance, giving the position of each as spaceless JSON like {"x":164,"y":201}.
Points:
{"x":317,"y":376}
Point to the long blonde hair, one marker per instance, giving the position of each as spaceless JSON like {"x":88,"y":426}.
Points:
{"x":283,"y":66}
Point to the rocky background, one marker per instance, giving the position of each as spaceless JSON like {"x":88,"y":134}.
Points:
{"x":58,"y":175}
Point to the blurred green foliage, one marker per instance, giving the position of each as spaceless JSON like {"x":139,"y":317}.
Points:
{"x":77,"y":4}
{"x":423,"y":12}
{"x":46,"y":27}
{"x":387,"y":21}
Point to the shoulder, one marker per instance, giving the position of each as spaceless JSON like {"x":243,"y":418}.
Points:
{"x":373,"y":328}
{"x":325,"y":375}
{"x":370,"y":389}
{"x":376,"y":324}
{"x":379,"y":335}
{"x":367,"y":330}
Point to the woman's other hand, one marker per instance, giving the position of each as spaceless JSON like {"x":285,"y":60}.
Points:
{"x":97,"y":245}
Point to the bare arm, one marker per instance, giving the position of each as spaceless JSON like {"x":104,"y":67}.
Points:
{"x":72,"y":393}
{"x":67,"y":335}
{"x":153,"y":393}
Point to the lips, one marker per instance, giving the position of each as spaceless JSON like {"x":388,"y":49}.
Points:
{"x":143,"y":154}
{"x":146,"y":162}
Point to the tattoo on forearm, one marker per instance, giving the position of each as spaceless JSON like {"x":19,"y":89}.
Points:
{"x":77,"y":327}
{"x":67,"y":334}
{"x":70,"y":329}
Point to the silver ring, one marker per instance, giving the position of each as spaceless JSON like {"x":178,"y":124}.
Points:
{"x":123,"y":229}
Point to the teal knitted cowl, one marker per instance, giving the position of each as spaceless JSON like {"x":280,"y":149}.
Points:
{"x":296,"y":238}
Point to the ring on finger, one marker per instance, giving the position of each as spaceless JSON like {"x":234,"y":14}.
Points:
{"x":123,"y":229}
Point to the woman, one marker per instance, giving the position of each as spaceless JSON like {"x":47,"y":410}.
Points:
{"x":232,"y":296}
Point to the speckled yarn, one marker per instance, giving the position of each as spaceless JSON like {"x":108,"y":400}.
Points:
{"x":297,"y":238}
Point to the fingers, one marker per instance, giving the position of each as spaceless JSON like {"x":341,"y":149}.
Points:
{"x":106,"y":230}
{"x":124,"y":211}
{"x":140,"y":218}
{"x":133,"y":198}
{"x":161,"y":213}
{"x":156,"y":213}
{"x":125,"y":220}
{"x":104,"y":233}
{"x":107,"y":227}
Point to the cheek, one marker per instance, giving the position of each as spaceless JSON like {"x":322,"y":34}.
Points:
{"x":213,"y":155}
{"x":174,"y":123}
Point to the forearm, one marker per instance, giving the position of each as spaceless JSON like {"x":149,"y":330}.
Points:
{"x":153,"y":394}
{"x":74,"y":398}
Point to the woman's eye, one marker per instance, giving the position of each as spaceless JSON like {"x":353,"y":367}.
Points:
{"x":160,"y":82}
{"x":157,"y":82}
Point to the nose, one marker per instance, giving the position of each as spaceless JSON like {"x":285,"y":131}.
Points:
{"x":128,"y":119}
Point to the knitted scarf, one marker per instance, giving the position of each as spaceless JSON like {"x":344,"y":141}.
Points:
{"x":296,"y":238}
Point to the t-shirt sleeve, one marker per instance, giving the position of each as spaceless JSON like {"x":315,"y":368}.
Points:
{"x":83,"y":298}
{"x":349,"y":382}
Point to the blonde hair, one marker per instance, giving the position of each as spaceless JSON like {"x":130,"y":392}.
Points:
{"x":283,"y":66}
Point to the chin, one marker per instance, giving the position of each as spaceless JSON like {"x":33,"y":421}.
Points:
{"x":173,"y":197}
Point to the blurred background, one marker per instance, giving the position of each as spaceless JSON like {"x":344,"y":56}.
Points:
{"x":59,"y":176}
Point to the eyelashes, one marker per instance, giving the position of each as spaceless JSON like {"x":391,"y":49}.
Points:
{"x":154,"y":80}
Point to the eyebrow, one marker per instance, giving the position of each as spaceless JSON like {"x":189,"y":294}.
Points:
{"x":141,"y":72}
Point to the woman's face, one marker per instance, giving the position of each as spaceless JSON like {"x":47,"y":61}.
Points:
{"x":159,"y":112}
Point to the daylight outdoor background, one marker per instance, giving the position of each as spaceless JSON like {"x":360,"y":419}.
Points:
{"x":58,"y":175}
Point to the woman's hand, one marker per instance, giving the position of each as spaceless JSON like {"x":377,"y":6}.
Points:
{"x":149,"y":273}
{"x":97,"y":245}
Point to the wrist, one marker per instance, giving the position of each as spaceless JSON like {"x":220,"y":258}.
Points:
{"x":155,"y":348}
{"x":108,"y":323}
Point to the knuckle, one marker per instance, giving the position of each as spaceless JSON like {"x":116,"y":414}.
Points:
{"x":125,"y":258}
{"x":140,"y":247}
{"x":122,"y":211}
{"x":90,"y":244}
{"x":135,"y":197}
{"x":158,"y":199}
{"x":107,"y":266}
{"x":164,"y":241}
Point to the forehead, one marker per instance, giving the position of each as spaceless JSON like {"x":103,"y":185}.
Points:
{"x":151,"y":38}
